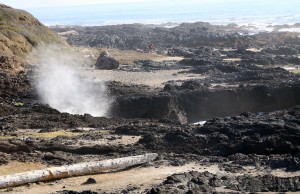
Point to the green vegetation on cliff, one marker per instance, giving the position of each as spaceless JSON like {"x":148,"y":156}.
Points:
{"x":20,"y":32}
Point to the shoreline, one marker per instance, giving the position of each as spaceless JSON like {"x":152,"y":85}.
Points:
{"x":151,"y":86}
{"x":251,"y":28}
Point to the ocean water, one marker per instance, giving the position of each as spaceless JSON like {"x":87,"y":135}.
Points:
{"x":257,"y":13}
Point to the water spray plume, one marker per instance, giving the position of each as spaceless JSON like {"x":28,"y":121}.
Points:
{"x":59,"y":85}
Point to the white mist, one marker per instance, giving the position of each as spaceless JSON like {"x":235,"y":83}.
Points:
{"x":62,"y":88}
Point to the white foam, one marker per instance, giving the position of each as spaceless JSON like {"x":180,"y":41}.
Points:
{"x":199,"y":123}
{"x":289,"y":30}
{"x":59,"y":85}
{"x":289,"y":68}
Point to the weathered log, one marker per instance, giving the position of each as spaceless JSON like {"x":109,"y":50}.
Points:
{"x":86,"y":168}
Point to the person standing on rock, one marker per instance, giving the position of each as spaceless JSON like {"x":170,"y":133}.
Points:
{"x":151,"y":47}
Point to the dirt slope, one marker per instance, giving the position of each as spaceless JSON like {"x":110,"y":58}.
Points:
{"x":19,"y":33}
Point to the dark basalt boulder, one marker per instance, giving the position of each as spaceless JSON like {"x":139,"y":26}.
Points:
{"x":106,"y":61}
{"x":249,"y":133}
{"x":199,"y":182}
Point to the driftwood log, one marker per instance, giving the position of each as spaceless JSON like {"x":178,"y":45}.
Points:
{"x":86,"y":168}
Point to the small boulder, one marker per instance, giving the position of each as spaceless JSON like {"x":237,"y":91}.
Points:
{"x":89,"y":181}
{"x":105,"y":61}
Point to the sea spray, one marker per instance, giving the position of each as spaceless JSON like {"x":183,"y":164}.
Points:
{"x":59,"y":84}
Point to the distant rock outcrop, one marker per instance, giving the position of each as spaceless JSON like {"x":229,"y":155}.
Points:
{"x":19,"y":33}
{"x":105,"y":61}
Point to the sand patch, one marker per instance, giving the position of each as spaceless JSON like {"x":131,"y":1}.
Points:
{"x":33,"y":133}
{"x":17,"y":167}
{"x":254,"y":50}
{"x":167,"y":58}
{"x":54,"y":134}
{"x":232,"y":59}
{"x":154,"y":78}
{"x":107,"y":140}
{"x":129,"y":56}
{"x":296,"y":71}
{"x":123,"y":56}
